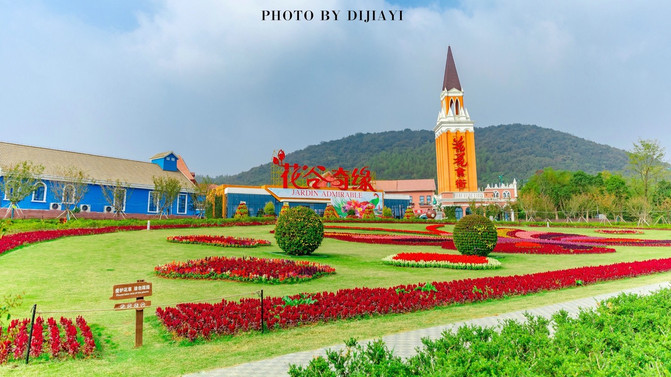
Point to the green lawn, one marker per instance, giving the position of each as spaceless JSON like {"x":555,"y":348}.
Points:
{"x":77,"y":273}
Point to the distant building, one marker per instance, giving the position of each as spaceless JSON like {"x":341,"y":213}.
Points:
{"x":420,"y":191}
{"x":136,"y":176}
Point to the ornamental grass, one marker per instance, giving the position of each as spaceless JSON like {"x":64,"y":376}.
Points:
{"x":248,"y":269}
{"x":462,"y":262}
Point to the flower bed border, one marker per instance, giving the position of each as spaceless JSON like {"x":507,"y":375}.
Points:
{"x":489,"y":263}
{"x":304,"y":270}
{"x":15,"y":240}
{"x":202,"y":320}
{"x":223,"y":241}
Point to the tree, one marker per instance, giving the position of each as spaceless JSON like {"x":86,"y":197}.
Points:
{"x":70,"y":188}
{"x":662,"y":192}
{"x":116,"y":195}
{"x":165,"y":192}
{"x":18,"y":181}
{"x":646,"y":161}
{"x":616,"y":185}
{"x":200,"y":195}
{"x":639,"y":207}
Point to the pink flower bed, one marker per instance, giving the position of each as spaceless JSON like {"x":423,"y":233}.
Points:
{"x":259,"y":270}
{"x":12,"y":241}
{"x":203,"y":320}
{"x":374,"y":229}
{"x":49,"y":340}
{"x":388,"y":239}
{"x":224,"y":241}
{"x":618,"y":231}
{"x":470,"y":262}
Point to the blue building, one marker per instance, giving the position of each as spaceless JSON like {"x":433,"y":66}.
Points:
{"x":136,"y":189}
{"x":256,"y":198}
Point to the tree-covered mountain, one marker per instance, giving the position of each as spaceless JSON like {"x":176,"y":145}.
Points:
{"x":512,"y":150}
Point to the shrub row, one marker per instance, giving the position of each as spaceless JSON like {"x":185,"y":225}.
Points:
{"x":626,"y":335}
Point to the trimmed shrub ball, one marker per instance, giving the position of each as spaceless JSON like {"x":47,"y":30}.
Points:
{"x":299,"y":231}
{"x":475,"y":235}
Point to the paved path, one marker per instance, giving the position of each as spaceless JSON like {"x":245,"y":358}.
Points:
{"x":404,"y":344}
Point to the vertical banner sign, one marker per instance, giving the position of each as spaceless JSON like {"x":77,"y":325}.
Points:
{"x":460,"y":163}
{"x":139,"y":291}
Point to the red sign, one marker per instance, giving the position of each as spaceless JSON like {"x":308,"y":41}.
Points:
{"x":317,"y":177}
{"x":460,"y":163}
{"x":132,"y":290}
{"x":137,"y":305}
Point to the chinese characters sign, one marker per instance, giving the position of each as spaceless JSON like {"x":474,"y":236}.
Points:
{"x":132,"y":290}
{"x":139,"y":304}
{"x":460,"y":163}
{"x":316,"y":177}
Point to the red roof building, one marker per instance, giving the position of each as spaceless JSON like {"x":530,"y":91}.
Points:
{"x":421,"y":191}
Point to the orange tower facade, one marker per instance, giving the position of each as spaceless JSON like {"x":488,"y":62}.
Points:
{"x":455,"y":142}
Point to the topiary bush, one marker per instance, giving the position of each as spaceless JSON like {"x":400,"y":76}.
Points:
{"x":269,"y":209}
{"x":284,"y":208}
{"x":299,"y":231}
{"x":368,"y":213}
{"x":330,"y":213}
{"x":475,"y":235}
{"x":409,"y":213}
{"x":241,"y":211}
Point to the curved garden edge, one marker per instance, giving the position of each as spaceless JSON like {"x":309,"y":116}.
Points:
{"x":202,"y":320}
{"x":15,"y":240}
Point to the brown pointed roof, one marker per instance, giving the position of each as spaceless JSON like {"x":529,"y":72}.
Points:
{"x":451,"y":78}
{"x":98,"y":168}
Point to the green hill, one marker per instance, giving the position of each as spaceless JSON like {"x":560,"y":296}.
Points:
{"x":512,"y":150}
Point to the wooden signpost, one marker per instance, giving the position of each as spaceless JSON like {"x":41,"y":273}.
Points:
{"x":139,"y":291}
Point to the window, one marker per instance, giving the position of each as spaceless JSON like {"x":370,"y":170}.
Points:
{"x":181,"y":204}
{"x":421,"y":200}
{"x":153,"y":202}
{"x":506,"y":194}
{"x":428,"y":199}
{"x":496,"y":194}
{"x":69,"y":194}
{"x":40,"y":193}
{"x":120,"y":199}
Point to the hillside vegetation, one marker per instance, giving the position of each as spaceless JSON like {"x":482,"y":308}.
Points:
{"x":512,"y":150}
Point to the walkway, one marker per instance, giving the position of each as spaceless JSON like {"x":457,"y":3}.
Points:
{"x":404,"y":344}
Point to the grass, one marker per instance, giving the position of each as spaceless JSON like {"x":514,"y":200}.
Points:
{"x":77,"y":273}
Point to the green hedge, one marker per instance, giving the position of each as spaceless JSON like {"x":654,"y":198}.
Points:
{"x":624,"y":336}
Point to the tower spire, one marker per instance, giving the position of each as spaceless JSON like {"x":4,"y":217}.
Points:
{"x":451,"y":78}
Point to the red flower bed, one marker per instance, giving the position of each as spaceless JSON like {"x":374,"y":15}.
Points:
{"x":433,"y":229}
{"x":471,"y":262}
{"x":47,"y":341}
{"x":530,"y":247}
{"x":224,"y":241}
{"x":377,"y":229}
{"x":12,"y":241}
{"x":252,"y":269}
{"x":618,"y":231}
{"x":202,"y":320}
{"x":388,"y":239}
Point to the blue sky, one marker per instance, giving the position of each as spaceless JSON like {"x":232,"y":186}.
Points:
{"x":211,"y":81}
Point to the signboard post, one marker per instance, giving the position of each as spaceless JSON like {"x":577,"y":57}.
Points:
{"x":139,"y":291}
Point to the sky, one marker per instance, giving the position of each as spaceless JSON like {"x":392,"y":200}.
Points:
{"x":214,"y":82}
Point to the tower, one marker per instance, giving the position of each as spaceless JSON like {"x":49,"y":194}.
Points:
{"x":455,"y":142}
